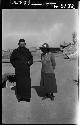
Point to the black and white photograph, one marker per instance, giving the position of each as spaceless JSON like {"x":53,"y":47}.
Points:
{"x":40,"y":66}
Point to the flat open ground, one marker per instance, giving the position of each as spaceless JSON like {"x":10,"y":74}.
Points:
{"x":60,"y":111}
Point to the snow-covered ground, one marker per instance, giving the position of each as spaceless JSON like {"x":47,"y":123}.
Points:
{"x":60,"y":111}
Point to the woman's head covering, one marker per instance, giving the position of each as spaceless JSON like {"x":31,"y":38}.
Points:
{"x":45,"y":48}
{"x":45,"y":45}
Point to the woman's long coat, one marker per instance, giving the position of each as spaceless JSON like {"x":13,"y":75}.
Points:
{"x":21,"y":59}
{"x":48,"y":80}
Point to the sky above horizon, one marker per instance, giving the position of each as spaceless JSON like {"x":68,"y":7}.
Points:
{"x":37,"y":26}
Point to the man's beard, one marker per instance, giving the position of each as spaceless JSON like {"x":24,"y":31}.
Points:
{"x":22,"y":46}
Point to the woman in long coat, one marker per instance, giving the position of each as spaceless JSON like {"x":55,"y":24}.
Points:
{"x":21,"y":59}
{"x":48,"y":80}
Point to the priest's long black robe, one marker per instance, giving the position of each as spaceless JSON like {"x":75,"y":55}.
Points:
{"x":21,"y":59}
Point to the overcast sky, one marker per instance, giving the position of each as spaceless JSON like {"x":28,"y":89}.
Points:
{"x":37,"y":26}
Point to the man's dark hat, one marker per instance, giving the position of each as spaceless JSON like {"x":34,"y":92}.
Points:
{"x":21,"y":40}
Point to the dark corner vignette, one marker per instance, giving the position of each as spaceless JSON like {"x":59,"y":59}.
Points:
{"x":38,"y":4}
{"x":0,"y":61}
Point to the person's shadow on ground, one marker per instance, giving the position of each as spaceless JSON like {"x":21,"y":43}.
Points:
{"x":11,"y":78}
{"x":39,"y":90}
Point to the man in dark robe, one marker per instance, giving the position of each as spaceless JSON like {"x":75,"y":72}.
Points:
{"x":21,"y":59}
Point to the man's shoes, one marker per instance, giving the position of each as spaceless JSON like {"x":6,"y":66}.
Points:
{"x":22,"y":99}
{"x":27,"y":100}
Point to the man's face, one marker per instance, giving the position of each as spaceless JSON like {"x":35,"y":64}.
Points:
{"x":22,"y":44}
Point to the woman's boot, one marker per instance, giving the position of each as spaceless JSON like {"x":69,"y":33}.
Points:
{"x":52,"y":96}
